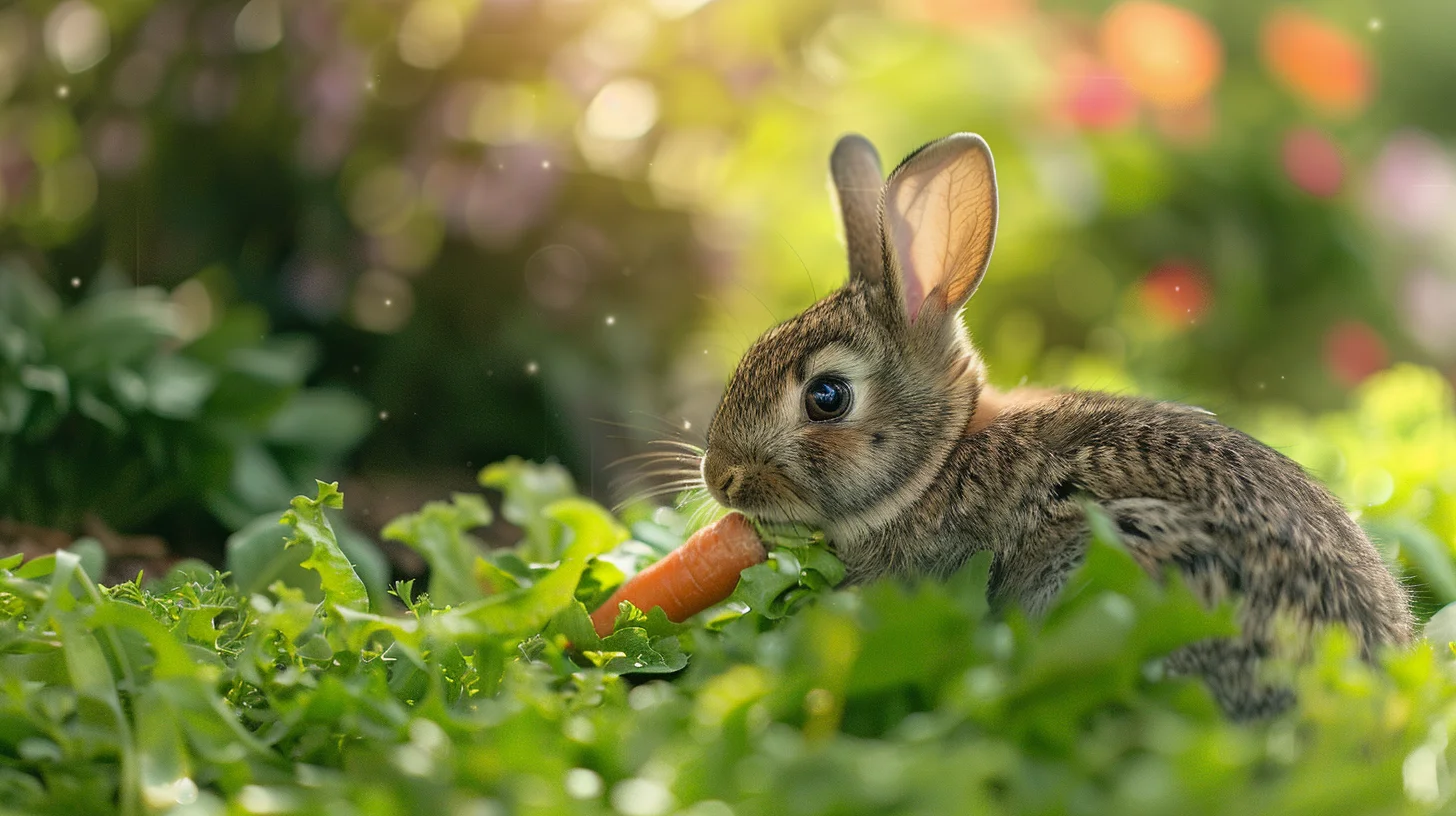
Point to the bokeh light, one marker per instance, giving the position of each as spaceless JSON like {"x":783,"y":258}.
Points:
{"x":1413,"y":189}
{"x":77,"y":35}
{"x":1169,"y":55}
{"x":259,"y":26}
{"x":383,"y":302}
{"x":1353,"y":352}
{"x":1313,"y":162}
{"x":623,"y":109}
{"x":1176,"y":293}
{"x":431,"y":33}
{"x":1099,"y":99}
{"x":1321,"y":64}
{"x":1430,"y":303}
{"x":383,"y":200}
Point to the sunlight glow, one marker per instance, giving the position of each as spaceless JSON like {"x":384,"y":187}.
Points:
{"x":77,"y":35}
{"x":430,"y":34}
{"x":625,"y":109}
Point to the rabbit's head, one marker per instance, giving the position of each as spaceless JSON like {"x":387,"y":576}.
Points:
{"x":841,"y":416}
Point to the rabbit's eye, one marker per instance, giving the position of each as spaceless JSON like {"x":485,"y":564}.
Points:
{"x":827,"y":398}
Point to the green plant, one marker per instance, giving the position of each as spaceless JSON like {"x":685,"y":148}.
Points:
{"x":1391,"y":457}
{"x":191,"y":697}
{"x":105,"y":409}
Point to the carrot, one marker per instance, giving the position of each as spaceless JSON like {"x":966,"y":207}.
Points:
{"x":702,"y":572}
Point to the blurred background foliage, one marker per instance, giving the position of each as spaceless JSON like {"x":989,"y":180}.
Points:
{"x":393,"y":241}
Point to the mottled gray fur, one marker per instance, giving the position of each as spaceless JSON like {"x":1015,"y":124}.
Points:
{"x":933,"y":465}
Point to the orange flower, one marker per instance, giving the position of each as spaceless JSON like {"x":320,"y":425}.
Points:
{"x":1170,"y":56}
{"x":1327,"y":67}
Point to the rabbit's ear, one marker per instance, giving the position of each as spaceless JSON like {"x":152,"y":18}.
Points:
{"x":859,"y":182}
{"x":940,"y":222}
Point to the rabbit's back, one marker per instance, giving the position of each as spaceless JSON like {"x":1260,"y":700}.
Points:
{"x":1232,"y":514}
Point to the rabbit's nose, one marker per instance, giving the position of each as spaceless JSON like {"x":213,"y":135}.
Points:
{"x":726,"y":486}
{"x":723,"y":481}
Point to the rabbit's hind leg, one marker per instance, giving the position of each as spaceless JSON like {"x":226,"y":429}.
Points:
{"x":1231,"y":668}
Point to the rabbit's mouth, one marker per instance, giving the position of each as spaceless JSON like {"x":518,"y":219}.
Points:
{"x":758,"y":490}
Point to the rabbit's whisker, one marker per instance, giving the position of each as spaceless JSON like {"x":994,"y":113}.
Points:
{"x":660,"y":479}
{"x":680,"y":484}
{"x":676,"y":443}
{"x":658,"y":469}
{"x":661,"y":490}
{"x":664,"y":468}
{"x":666,"y":456}
{"x":645,"y":469}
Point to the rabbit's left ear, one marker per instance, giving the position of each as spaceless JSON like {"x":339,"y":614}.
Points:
{"x":940,"y":223}
{"x":858,"y":181}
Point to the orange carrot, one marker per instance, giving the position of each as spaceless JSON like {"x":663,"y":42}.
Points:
{"x":702,"y":572}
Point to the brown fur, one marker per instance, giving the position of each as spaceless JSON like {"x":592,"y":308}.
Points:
{"x":931,"y":465}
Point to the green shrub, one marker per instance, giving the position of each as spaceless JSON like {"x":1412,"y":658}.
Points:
{"x":104,"y":409}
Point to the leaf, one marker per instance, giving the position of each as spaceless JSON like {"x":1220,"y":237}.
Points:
{"x":258,"y":482}
{"x":361,"y":626}
{"x":120,"y":328}
{"x":1430,"y":557}
{"x":89,"y":672}
{"x":818,"y":568}
{"x":258,"y":554}
{"x":641,"y":654}
{"x":761,"y":587}
{"x":311,"y":529}
{"x":1441,"y":628}
{"x":178,"y":386}
{"x":128,"y":388}
{"x":661,"y":540}
{"x":590,"y":531}
{"x":440,"y":533}
{"x":38,"y":567}
{"x":24,"y":299}
{"x":574,"y":623}
{"x":172,"y":660}
{"x":92,"y":556}
{"x":50,"y":380}
{"x":328,"y":420}
{"x":908,"y":636}
{"x":86,"y":665}
{"x":491,"y":579}
{"x":598,"y":582}
{"x":370,"y":564}
{"x":161,"y":748}
{"x":1112,"y":613}
{"x":279,"y":361}
{"x":14,"y":407}
{"x":527,"y":489}
{"x":799,"y":567}
{"x":654,"y":622}
{"x":94,"y":408}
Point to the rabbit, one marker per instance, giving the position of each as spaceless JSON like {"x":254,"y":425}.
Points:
{"x":869,"y":416}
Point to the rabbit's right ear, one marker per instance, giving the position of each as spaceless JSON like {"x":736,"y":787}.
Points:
{"x":940,"y":223}
{"x":858,"y":182}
